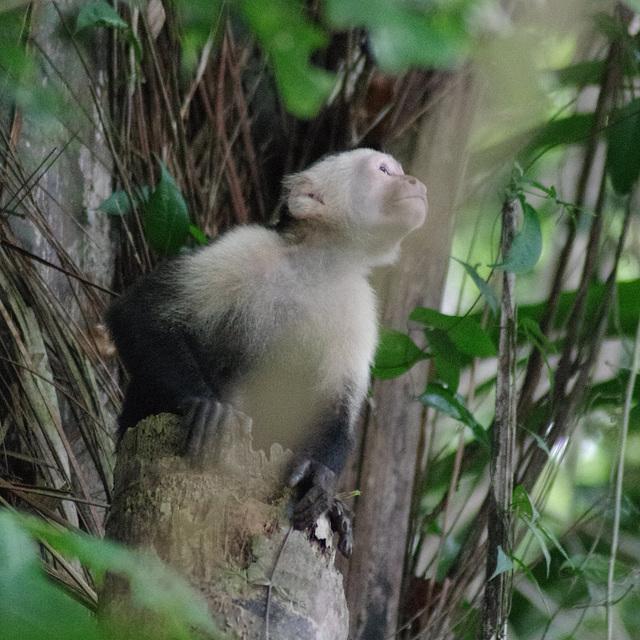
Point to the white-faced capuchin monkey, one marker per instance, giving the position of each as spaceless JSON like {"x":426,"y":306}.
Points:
{"x":279,"y":323}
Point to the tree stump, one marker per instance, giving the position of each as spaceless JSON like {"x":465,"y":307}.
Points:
{"x":226,"y":529}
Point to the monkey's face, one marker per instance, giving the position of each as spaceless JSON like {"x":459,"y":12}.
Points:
{"x":363,"y":196}
{"x":386,"y":198}
{"x":386,"y":203}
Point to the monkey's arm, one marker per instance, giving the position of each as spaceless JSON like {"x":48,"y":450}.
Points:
{"x":316,"y":472}
{"x":163,"y":373}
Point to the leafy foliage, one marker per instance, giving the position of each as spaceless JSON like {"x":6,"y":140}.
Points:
{"x":33,"y":607}
{"x":575,"y":334}
{"x":166,"y":219}
{"x":526,"y":246}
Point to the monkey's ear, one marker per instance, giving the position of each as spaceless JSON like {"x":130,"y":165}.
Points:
{"x":305,"y":198}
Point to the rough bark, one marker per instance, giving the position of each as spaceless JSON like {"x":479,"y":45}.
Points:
{"x":392,"y":433}
{"x":224,"y":526}
{"x":497,"y":590}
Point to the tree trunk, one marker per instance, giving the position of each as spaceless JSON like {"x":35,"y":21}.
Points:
{"x":224,"y":525}
{"x":392,"y":433}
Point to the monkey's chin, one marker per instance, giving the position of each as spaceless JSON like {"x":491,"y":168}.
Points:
{"x":412,"y":212}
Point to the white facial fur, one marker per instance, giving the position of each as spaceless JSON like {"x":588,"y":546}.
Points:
{"x":363,"y":197}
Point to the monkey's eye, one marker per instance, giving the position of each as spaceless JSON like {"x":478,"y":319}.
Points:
{"x":385,"y":169}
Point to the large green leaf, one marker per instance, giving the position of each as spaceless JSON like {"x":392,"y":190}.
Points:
{"x":623,"y":147}
{"x":166,"y":219}
{"x":580,"y":74}
{"x":289,"y":38}
{"x":464,"y":331}
{"x":446,"y":357}
{"x":118,"y":203}
{"x":153,"y":585}
{"x":30,"y":606}
{"x":526,"y":246}
{"x":406,"y":34}
{"x":99,"y":14}
{"x":574,"y":129}
{"x":396,"y":354}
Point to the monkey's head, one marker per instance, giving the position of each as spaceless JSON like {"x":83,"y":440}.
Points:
{"x":360,"y":197}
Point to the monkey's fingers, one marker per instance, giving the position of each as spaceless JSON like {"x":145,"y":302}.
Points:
{"x":340,"y":518}
{"x":313,"y":504}
{"x":203,"y":420}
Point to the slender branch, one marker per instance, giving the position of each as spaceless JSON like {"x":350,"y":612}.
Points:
{"x":497,"y":593}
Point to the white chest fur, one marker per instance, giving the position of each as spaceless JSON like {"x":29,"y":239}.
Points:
{"x":310,"y":315}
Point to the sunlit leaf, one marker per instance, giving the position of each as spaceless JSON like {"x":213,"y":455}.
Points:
{"x":166,"y":219}
{"x":503,"y":563}
{"x":200,"y":237}
{"x":99,"y":14}
{"x":482,"y":285}
{"x":623,"y":147}
{"x":442,"y":399}
{"x":396,"y":354}
{"x":526,"y":247}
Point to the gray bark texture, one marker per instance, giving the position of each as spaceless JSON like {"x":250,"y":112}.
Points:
{"x":391,"y":439}
{"x":223,"y":525}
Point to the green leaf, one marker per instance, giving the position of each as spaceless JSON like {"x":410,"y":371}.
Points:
{"x":99,"y":14}
{"x":403,"y":35}
{"x":538,"y":535}
{"x":31,"y":606}
{"x":195,"y":233}
{"x":540,"y":442}
{"x":581,"y":74}
{"x":396,"y":354}
{"x":595,"y":568}
{"x":522,"y":502}
{"x":623,"y":147}
{"x":442,"y":399}
{"x":503,"y":563}
{"x":555,"y":541}
{"x":118,"y":203}
{"x":482,"y":286}
{"x":152,"y":584}
{"x":534,"y":335}
{"x":465,"y":332}
{"x":446,"y":357}
{"x":526,"y":247}
{"x":574,"y":129}
{"x":166,"y":219}
{"x":289,"y":38}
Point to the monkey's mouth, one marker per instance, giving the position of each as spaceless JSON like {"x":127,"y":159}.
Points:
{"x":417,"y":196}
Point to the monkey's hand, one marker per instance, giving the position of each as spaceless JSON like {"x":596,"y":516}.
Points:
{"x":319,"y":483}
{"x":204,"y":419}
